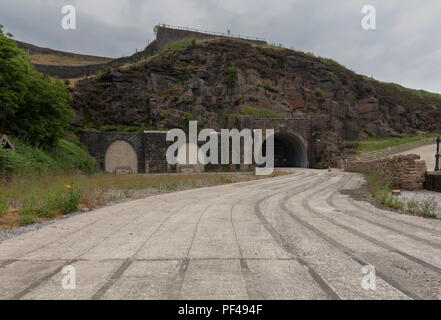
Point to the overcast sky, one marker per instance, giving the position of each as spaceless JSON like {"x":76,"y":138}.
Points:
{"x":405,"y":48}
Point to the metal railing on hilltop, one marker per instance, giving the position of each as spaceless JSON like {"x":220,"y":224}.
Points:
{"x":210,"y":32}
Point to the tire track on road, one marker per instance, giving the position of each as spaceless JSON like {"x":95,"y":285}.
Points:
{"x":178,"y":282}
{"x":349,"y":252}
{"x":292,"y":251}
{"x":331,"y":203}
{"x":251,"y":291}
{"x":305,"y":203}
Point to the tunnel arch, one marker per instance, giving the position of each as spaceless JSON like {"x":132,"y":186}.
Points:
{"x":289,"y":151}
{"x":120,"y":155}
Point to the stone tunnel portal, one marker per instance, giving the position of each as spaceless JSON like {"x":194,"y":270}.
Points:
{"x":289,"y":151}
{"x":120,"y":155}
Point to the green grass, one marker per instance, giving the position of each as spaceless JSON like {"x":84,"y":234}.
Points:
{"x":26,"y":220}
{"x":426,"y":208}
{"x":375,"y":143}
{"x":47,"y":196}
{"x":115,"y":128}
{"x":179,"y":45}
{"x":231,"y":76}
{"x":225,"y":180}
{"x":260,"y":112}
{"x":271,"y":89}
{"x":328,"y":62}
{"x":381,"y":190}
{"x":319,"y":92}
{"x":332,"y":76}
{"x":235,"y":118}
{"x":3,"y":207}
{"x":66,"y":156}
{"x":58,"y":201}
{"x":421,"y":93}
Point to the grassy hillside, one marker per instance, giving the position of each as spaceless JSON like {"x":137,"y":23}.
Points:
{"x":65,"y":156}
{"x":23,"y":197}
{"x":60,"y":60}
{"x":376,"y":143}
{"x":47,"y":56}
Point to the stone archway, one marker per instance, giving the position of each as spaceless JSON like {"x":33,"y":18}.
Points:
{"x":289,"y":151}
{"x":121,"y":157}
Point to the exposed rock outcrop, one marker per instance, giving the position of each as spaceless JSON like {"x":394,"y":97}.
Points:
{"x":215,"y":81}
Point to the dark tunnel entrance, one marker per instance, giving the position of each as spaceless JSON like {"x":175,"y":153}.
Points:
{"x":289,"y":151}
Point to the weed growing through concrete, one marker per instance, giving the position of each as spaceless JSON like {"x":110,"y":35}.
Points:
{"x":412,"y":206}
{"x":382,"y":192}
{"x":428,"y":207}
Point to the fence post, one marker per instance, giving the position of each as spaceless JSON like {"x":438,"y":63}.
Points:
{"x":437,"y":156}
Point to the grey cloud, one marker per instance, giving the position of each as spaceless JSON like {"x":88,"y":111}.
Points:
{"x":405,"y":48}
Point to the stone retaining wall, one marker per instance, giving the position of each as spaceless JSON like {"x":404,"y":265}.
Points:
{"x":150,"y":148}
{"x":71,"y":72}
{"x":404,"y":171}
{"x":433,"y":181}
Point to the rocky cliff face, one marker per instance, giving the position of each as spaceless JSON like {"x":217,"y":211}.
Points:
{"x":216,"y":81}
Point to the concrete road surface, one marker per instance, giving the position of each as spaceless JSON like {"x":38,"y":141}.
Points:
{"x":290,"y":237}
{"x":426,"y":153}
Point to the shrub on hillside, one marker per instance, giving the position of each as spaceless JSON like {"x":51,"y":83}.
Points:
{"x":332,"y":76}
{"x":33,"y":106}
{"x":260,"y":113}
{"x":271,"y":89}
{"x":319,"y":92}
{"x":231,"y":76}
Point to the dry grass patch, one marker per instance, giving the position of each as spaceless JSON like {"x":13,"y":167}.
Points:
{"x":28,"y":199}
{"x":60,"y":60}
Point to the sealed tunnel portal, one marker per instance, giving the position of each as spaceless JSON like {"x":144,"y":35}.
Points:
{"x":297,"y":144}
{"x":289,"y":151}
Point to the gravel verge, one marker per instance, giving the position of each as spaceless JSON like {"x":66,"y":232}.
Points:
{"x":421,"y":196}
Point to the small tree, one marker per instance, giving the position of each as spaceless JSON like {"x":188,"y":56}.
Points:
{"x":231,"y":76}
{"x":32,"y":105}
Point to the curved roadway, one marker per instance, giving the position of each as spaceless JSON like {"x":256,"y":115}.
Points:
{"x":290,"y":237}
{"x":426,"y":153}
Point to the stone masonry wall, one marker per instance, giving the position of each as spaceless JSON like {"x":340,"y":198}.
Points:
{"x":98,"y":142}
{"x":150,"y":147}
{"x":404,"y":172}
{"x":433,"y":181}
{"x":155,"y":151}
{"x":69,"y":72}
